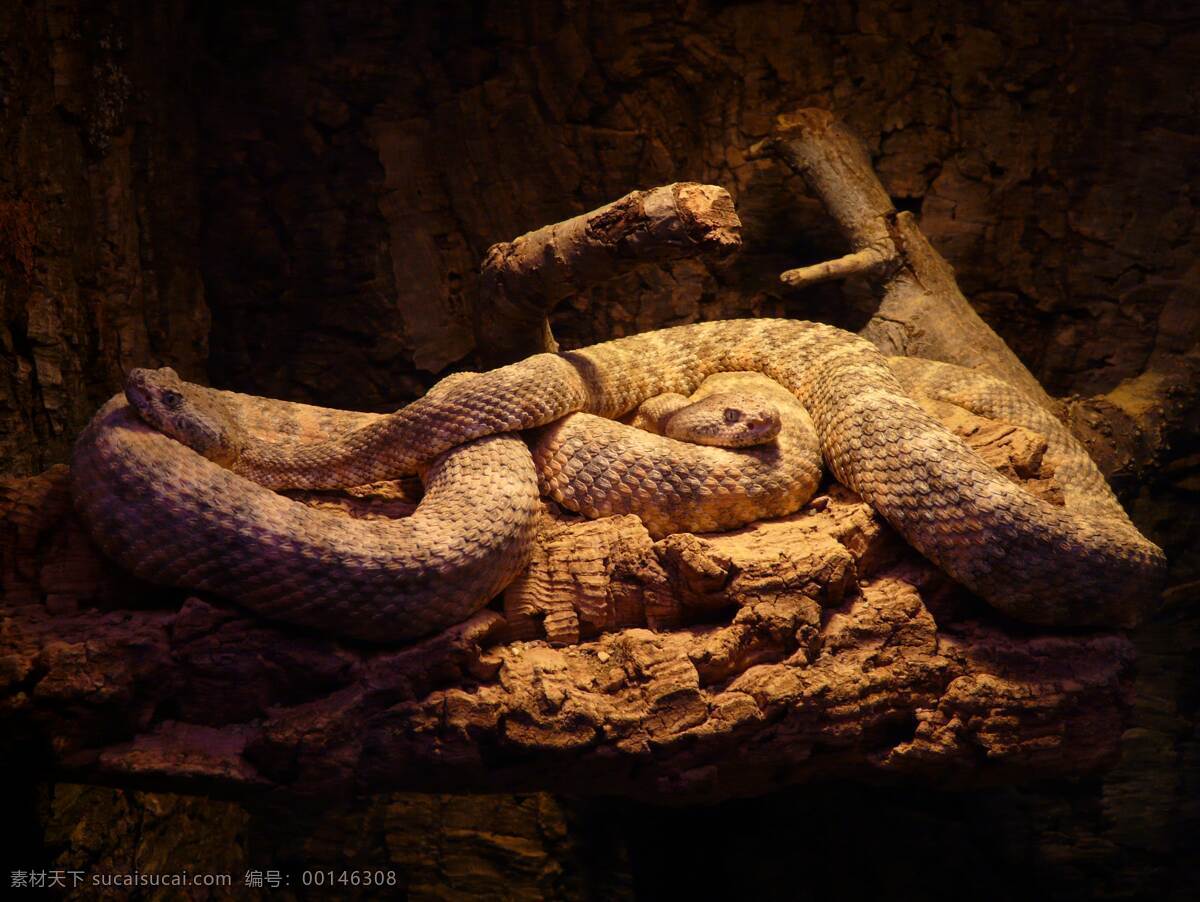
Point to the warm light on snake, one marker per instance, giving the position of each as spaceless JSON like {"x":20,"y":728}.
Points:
{"x":174,"y":516}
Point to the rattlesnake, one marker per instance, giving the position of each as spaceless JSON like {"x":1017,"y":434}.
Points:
{"x":173,"y":516}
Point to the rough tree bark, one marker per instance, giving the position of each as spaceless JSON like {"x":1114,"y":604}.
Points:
{"x":844,"y":655}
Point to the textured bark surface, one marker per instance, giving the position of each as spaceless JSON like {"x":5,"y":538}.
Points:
{"x":355,"y":161}
{"x":99,"y":218}
{"x":812,"y":646}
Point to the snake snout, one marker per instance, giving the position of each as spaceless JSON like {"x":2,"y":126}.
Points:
{"x":138,"y":390}
{"x":183,"y":412}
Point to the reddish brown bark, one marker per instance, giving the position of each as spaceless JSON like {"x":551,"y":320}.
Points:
{"x":802,"y":648}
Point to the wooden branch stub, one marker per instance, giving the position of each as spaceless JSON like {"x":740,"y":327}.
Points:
{"x":869,"y":261}
{"x":522,"y":280}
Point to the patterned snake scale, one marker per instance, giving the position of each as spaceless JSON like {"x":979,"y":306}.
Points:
{"x":601,"y":468}
{"x":175,"y":517}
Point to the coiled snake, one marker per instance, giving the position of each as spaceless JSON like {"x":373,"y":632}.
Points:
{"x":173,"y":516}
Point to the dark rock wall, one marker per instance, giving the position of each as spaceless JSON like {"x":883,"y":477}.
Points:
{"x":294,"y":200}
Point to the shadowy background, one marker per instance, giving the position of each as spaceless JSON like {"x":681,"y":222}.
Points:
{"x":293,"y":199}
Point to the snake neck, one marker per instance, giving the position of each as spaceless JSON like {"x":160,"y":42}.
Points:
{"x":608,"y":380}
{"x":359,"y":457}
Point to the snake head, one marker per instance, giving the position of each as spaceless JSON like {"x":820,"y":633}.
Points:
{"x":726,"y":420}
{"x":184,"y":412}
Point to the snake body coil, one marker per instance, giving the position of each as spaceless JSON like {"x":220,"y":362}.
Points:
{"x":1076,"y":564}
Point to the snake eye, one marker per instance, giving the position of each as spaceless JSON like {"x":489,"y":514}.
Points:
{"x":732,"y":414}
{"x":172,"y":399}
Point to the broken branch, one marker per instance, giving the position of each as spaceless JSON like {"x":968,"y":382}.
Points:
{"x":922,"y":312}
{"x":523,"y":280}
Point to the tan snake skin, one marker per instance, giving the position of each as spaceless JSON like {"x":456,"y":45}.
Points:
{"x":1034,"y":560}
{"x":601,"y":468}
{"x":175,"y":518}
